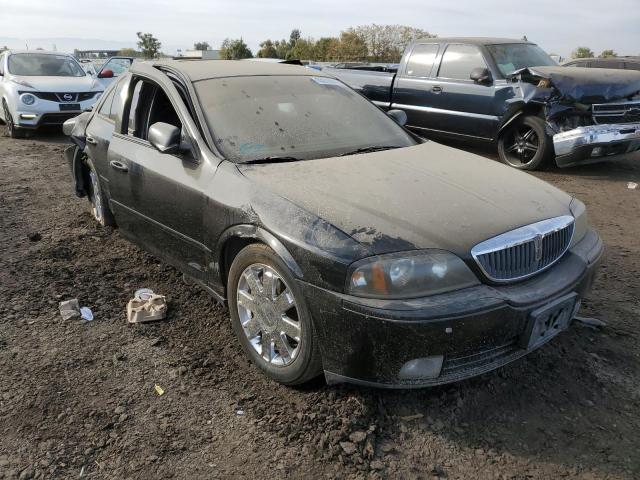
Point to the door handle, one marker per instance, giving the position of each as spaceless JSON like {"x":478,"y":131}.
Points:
{"x":436,"y":89}
{"x":92,"y":141}
{"x":119,"y":166}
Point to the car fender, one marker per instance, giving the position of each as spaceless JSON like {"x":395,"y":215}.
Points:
{"x":253,"y":232}
{"x":73,"y":155}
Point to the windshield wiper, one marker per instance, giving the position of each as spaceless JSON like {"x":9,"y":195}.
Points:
{"x":274,"y":159}
{"x":375,"y":148}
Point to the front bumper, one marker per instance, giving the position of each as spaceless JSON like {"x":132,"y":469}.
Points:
{"x":45,"y":112}
{"x":372,"y":342}
{"x":594,"y":142}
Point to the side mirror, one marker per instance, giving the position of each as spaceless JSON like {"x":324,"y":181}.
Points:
{"x":399,"y":116}
{"x":164,"y":137}
{"x":107,"y":73}
{"x":481,"y":75}
{"x":68,"y":126}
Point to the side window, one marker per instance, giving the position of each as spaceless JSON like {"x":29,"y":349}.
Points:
{"x":608,"y":64}
{"x":632,"y":66}
{"x":162,"y":110}
{"x":459,"y":60}
{"x":105,"y":108}
{"x":118,"y":101}
{"x":134,"y":115}
{"x":2,"y":57}
{"x":117,"y":65}
{"x":421,"y":60}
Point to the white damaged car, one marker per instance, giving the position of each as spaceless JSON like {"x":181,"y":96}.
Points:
{"x":43,"y":88}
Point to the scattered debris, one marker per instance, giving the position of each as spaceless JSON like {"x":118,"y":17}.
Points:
{"x":86,"y":313}
{"x":590,"y":322}
{"x":34,"y":236}
{"x":239,"y":412}
{"x":159,"y":390}
{"x":409,"y":418}
{"x":632,"y":185}
{"x":69,"y":309}
{"x":146,"y":306}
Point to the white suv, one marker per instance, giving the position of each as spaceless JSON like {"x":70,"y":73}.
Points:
{"x":42,"y":88}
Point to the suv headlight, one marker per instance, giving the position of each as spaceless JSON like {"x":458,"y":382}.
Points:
{"x":28,"y":99}
{"x":409,"y":275}
{"x":581,"y":222}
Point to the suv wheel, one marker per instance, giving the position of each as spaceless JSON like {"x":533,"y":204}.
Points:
{"x":270,"y":317}
{"x":524,"y":144}
{"x":12,"y":130}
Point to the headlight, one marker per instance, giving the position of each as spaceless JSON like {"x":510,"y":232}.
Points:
{"x":28,"y":99}
{"x":409,"y":275}
{"x":581,"y":223}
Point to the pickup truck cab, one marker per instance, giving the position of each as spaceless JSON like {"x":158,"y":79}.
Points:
{"x":511,"y":93}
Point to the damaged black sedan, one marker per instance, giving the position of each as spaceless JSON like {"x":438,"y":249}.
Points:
{"x":341,"y":243}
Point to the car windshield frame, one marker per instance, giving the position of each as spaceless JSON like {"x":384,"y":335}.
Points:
{"x":80,"y":72}
{"x":506,"y":72}
{"x":272,"y":113}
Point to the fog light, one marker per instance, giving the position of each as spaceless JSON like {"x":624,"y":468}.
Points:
{"x":28,"y":116}
{"x":596,"y":152}
{"x":421,"y":368}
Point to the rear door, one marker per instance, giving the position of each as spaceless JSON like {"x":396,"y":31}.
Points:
{"x":157,"y":198}
{"x":458,"y":104}
{"x":413,"y":88}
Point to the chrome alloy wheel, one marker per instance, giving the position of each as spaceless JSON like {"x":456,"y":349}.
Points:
{"x":96,"y":199}
{"x":268,"y":314}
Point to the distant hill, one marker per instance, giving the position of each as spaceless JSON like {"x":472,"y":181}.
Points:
{"x":68,"y":44}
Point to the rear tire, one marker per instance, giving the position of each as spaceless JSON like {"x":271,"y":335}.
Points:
{"x":12,"y":130}
{"x":525,"y":145}
{"x":99,"y":204}
{"x":271,"y":319}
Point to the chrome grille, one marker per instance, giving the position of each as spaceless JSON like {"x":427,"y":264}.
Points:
{"x":628,"y":112}
{"x":525,"y":251}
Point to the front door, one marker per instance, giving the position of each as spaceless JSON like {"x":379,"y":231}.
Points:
{"x":157,"y":198}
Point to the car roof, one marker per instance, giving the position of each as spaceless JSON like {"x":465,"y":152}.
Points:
{"x":473,"y":40}
{"x":39,"y":52}
{"x":197,"y":70}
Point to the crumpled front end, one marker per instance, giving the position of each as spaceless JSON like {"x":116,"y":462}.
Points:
{"x":591,"y":114}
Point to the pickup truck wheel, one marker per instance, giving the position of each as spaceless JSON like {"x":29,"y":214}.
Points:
{"x":12,"y":130}
{"x":525,"y":144}
{"x":270,"y":318}
{"x":99,"y":205}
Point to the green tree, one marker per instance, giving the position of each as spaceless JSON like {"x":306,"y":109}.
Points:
{"x":148,"y":44}
{"x":234,"y":49}
{"x":294,"y":36}
{"x":582,"y":52}
{"x":282,"y":48}
{"x":324,"y":48}
{"x":386,"y":43}
{"x":302,"y":50}
{"x":608,"y":53}
{"x":351,"y":47}
{"x":203,"y":46}
{"x":267,"y":49}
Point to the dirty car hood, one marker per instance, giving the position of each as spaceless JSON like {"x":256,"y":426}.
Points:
{"x":587,"y":85}
{"x":427,"y":196}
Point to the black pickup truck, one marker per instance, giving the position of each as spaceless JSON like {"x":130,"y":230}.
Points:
{"x":511,"y":93}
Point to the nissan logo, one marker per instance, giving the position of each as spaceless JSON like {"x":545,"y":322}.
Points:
{"x":68,"y":97}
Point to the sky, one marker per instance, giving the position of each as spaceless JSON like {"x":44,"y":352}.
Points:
{"x":558,"y":26}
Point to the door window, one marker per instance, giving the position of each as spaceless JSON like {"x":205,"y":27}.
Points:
{"x":105,"y":108}
{"x":459,"y":60}
{"x":608,"y":64}
{"x":117,"y":65}
{"x":2,"y":64}
{"x":632,"y":66}
{"x":149,"y":104}
{"x":421,"y":60}
{"x":118,"y":100}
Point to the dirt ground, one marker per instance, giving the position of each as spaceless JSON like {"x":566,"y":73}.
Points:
{"x":77,"y":398}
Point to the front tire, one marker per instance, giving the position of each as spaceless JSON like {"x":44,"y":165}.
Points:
{"x":12,"y":130}
{"x":525,"y":145}
{"x":99,"y":205}
{"x":270,"y":317}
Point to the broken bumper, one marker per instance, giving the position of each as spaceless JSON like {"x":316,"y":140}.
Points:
{"x":594,"y":142}
{"x":444,"y":338}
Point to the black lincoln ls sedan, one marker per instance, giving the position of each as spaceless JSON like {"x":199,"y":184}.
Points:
{"x":340,"y":242}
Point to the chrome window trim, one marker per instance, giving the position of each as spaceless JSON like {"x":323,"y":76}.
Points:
{"x":521,"y":236}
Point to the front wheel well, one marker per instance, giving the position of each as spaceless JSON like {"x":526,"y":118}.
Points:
{"x":230,"y":250}
{"x":524,"y":111}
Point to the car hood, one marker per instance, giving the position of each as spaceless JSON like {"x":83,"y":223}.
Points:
{"x":586,"y":85}
{"x":427,"y":196}
{"x":59,"y":84}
